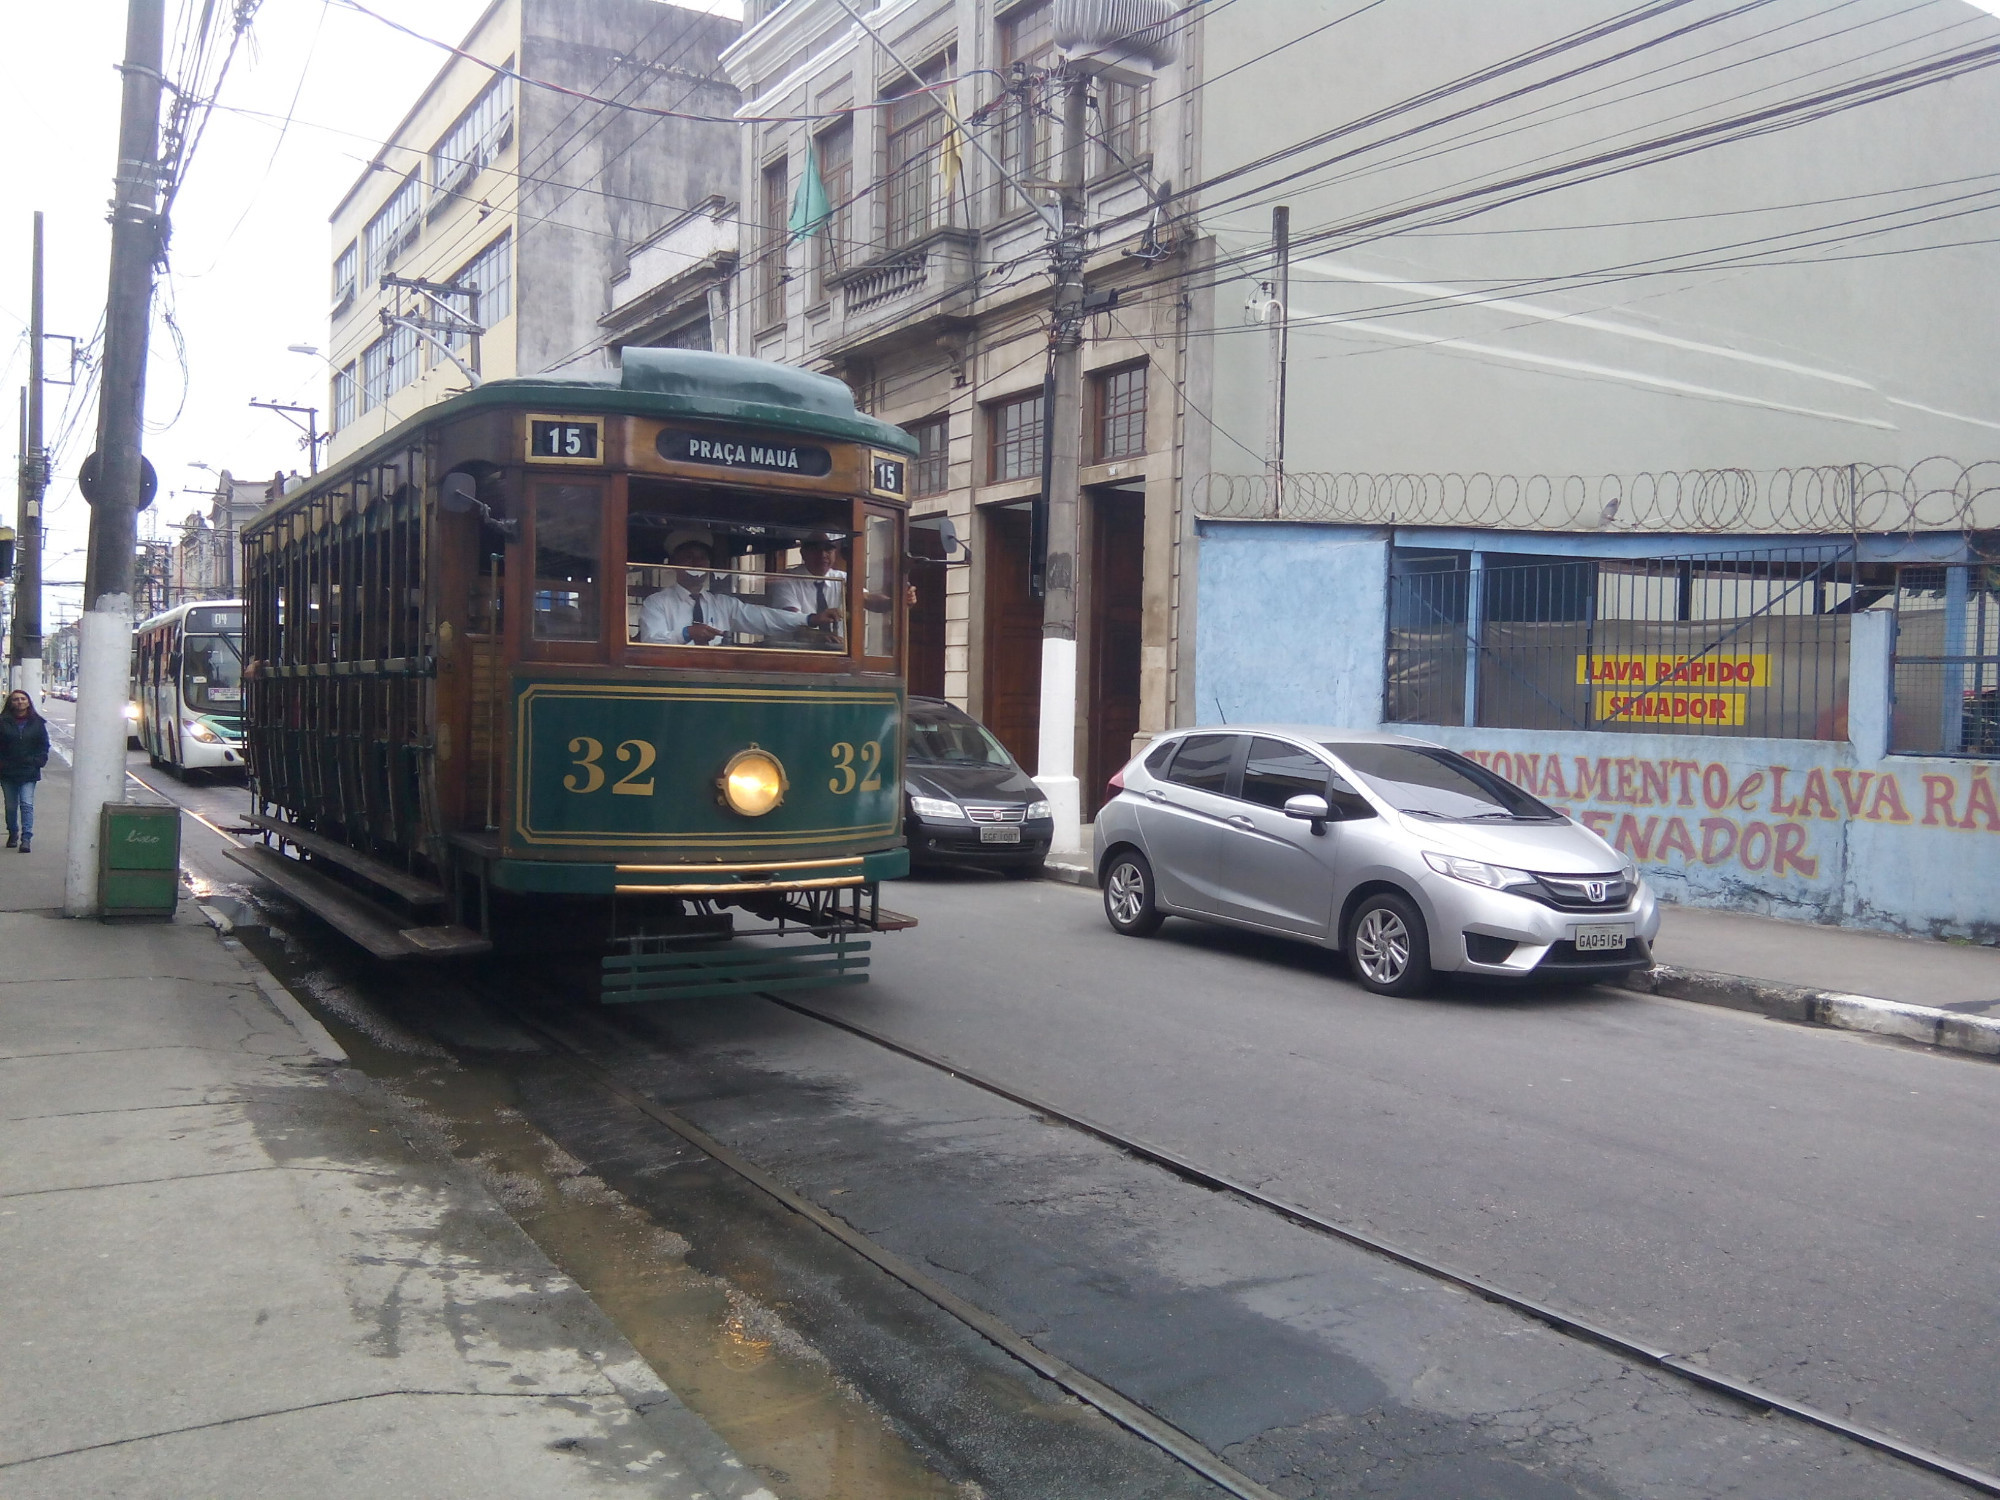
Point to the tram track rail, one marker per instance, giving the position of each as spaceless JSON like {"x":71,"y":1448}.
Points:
{"x":1114,"y":1404}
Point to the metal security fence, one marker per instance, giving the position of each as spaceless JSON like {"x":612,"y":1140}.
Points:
{"x":1750,"y":643}
{"x":1947,"y":664}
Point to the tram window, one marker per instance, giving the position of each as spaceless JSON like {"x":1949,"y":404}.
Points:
{"x":726,"y":567}
{"x":881,"y":588}
{"x":569,"y":526}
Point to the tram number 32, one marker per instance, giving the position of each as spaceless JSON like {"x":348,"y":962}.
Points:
{"x":853,"y":769}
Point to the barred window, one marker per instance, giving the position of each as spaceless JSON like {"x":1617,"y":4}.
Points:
{"x":771,"y":270}
{"x":343,"y":396}
{"x":346,"y":267}
{"x":1014,"y":432}
{"x":931,"y":473}
{"x":917,"y":197}
{"x":833,"y":246}
{"x":1027,"y":134}
{"x":475,"y":140}
{"x":1121,"y":413}
{"x":394,"y":228}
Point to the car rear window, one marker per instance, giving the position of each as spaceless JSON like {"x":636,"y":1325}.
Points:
{"x":1203,"y":762}
{"x":1277,"y":772}
{"x":1427,"y":782}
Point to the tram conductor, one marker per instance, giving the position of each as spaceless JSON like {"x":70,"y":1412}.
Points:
{"x":687,"y":611}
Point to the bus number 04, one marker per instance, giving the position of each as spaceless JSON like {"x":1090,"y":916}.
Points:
{"x":847,"y":775}
{"x":589,"y":774}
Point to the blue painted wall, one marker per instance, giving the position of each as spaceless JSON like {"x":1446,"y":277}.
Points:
{"x":1291,"y":630}
{"x":1289,"y":623}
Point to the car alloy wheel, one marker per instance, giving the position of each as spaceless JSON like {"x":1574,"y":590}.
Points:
{"x":1128,"y":896}
{"x":1389,"y":946}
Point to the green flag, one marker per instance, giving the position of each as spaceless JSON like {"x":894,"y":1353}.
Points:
{"x":810,"y":210}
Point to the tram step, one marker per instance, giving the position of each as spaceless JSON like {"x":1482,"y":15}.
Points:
{"x":355,"y":916}
{"x":398,"y":883}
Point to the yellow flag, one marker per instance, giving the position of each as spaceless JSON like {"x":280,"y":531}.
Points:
{"x":951,"y":155}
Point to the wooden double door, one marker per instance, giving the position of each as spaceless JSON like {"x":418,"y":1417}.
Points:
{"x":1114,"y":555}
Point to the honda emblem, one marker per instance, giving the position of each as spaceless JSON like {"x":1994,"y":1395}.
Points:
{"x":1594,"y":889}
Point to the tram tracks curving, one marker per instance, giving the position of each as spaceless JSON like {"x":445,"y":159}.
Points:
{"x":1115,"y":1404}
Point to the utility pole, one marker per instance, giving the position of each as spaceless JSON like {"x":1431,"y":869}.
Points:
{"x":25,"y":650}
{"x":1281,"y":337}
{"x":105,"y":631}
{"x":310,"y":426}
{"x":1062,"y":431}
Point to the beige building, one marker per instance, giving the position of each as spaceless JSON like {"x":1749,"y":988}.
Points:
{"x":926,"y":287}
{"x":500,"y":210}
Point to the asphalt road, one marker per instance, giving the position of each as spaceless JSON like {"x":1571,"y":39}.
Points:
{"x":1805,"y":1210}
{"x":1808,"y":1210}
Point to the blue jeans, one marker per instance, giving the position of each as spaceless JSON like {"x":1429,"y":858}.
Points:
{"x":20,"y":807}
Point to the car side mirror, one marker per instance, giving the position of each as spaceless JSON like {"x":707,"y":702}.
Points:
{"x":1309,"y":808}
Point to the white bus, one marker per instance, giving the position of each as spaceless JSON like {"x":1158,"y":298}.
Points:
{"x":187,"y":683}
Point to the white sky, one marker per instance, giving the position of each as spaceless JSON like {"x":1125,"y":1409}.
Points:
{"x":250,"y":253}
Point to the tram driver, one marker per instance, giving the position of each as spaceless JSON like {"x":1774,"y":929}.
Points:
{"x":819,"y":589}
{"x":687,"y":611}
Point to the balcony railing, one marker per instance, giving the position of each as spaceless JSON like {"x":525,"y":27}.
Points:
{"x":907,"y":292}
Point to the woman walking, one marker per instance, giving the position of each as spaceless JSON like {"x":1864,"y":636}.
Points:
{"x":24,"y":750}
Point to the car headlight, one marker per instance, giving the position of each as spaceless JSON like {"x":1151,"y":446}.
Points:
{"x":936,"y":809}
{"x":1037,"y":810}
{"x":1476,"y":872}
{"x":1630,"y":870}
{"x":753,"y":782}
{"x":198,"y":731}
{"x":132,"y":712}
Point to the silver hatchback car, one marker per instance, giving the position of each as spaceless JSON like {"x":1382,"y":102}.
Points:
{"x":1409,"y":857}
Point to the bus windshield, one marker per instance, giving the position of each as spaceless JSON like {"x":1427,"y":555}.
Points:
{"x":212,"y":675}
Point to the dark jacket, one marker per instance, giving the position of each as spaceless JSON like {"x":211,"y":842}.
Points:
{"x":24,"y":748}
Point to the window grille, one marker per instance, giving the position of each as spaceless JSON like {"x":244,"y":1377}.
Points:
{"x":479,"y":136}
{"x":1947,"y":663}
{"x":343,"y":396}
{"x":1750,"y":643}
{"x":1015,"y":433}
{"x":1027,"y":134}
{"x":394,"y":228}
{"x":1121,"y":413}
{"x":771,"y":270}
{"x":931,"y":474}
{"x":915,"y":187}
{"x":833,"y":247}
{"x":346,"y":267}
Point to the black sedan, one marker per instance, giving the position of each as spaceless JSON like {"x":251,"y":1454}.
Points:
{"x":965,"y":801}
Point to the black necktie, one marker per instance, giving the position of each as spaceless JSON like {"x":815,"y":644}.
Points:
{"x":820,"y":589}
{"x":697,"y":616}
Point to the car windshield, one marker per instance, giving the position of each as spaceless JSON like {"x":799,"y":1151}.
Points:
{"x":1441,"y":785}
{"x":953,"y":741}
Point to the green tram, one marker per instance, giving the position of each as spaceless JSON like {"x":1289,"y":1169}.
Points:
{"x":565,"y":661}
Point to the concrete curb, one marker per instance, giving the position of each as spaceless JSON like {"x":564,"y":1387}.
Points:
{"x":1978,"y":1036}
{"x":282,"y":1000}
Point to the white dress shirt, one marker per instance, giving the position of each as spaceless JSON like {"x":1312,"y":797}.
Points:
{"x":666,"y":615}
{"x":802,"y":589}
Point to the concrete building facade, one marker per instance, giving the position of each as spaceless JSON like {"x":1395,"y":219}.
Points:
{"x":513,"y":190}
{"x":925,"y":285}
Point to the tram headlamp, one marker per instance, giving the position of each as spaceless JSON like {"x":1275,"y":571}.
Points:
{"x":753,"y":782}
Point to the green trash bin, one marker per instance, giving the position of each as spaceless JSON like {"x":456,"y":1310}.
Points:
{"x":138,"y":860}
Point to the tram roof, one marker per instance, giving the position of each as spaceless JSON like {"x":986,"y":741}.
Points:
{"x":689,"y":383}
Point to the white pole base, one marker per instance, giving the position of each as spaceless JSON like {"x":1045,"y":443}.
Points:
{"x":97,"y":775}
{"x":1065,"y":794}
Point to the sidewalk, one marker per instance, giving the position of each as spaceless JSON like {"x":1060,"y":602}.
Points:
{"x":226,"y":1274}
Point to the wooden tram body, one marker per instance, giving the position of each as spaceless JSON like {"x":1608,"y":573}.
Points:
{"x":454,"y":725}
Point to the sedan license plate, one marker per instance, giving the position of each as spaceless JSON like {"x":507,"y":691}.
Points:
{"x":1601,"y":939}
{"x":997,"y":835}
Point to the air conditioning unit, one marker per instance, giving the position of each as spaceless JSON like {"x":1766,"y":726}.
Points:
{"x":1117,"y":34}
